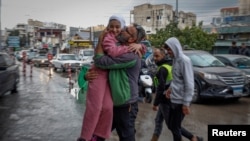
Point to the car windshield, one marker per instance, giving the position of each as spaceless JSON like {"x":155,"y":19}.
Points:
{"x":88,"y":53}
{"x":32,"y":54}
{"x":204,"y":60}
{"x":41,"y":57}
{"x":241,"y":62}
{"x":69,"y":57}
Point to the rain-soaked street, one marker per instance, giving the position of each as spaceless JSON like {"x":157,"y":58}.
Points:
{"x":44,"y":110}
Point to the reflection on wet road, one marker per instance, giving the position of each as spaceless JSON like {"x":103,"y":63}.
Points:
{"x":45,"y":110}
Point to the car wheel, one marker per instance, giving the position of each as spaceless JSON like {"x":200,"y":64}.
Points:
{"x":196,"y":96}
{"x":54,"y":67}
{"x":63,"y":69}
{"x":14,"y":89}
{"x":148,"y":98}
{"x":235,"y":99}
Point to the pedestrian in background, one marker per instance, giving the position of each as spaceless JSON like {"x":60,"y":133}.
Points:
{"x":162,"y":80}
{"x":233,"y":49}
{"x":162,"y":104}
{"x":181,"y":89}
{"x":244,"y":50}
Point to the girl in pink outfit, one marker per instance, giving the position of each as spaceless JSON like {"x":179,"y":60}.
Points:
{"x":98,"y":115}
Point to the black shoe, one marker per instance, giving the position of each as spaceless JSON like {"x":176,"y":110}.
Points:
{"x":199,"y":138}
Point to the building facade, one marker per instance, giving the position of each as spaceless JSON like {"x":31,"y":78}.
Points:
{"x":244,"y":7}
{"x":153,"y":17}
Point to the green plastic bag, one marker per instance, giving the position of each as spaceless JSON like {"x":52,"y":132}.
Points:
{"x":81,"y":97}
{"x":83,"y":85}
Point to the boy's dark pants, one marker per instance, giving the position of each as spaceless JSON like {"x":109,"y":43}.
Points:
{"x":175,"y":119}
{"x":124,"y":121}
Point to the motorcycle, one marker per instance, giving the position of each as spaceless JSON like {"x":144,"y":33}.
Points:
{"x":145,"y":85}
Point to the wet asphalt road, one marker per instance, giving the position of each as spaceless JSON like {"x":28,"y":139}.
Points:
{"x":45,"y":110}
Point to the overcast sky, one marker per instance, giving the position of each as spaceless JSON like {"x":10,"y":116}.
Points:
{"x":85,"y":13}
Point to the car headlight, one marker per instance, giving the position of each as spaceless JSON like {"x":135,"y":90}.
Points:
{"x":246,"y":77}
{"x":208,"y":76}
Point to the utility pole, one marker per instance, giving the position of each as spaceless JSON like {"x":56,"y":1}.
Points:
{"x":176,"y":12}
{"x":0,"y":24}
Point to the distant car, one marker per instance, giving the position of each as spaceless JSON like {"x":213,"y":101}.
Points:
{"x":86,"y":56}
{"x":31,"y":56}
{"x":20,"y":56}
{"x":40,"y":60}
{"x":213,"y":79}
{"x":9,"y":74}
{"x":64,"y":61}
{"x":241,"y":62}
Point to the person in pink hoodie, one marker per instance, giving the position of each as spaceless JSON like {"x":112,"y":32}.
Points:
{"x":98,"y":115}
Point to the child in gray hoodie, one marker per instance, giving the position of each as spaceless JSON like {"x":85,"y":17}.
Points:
{"x":181,"y":89}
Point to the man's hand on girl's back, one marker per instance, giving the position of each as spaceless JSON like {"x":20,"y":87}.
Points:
{"x":91,"y":75}
{"x":137,"y":48}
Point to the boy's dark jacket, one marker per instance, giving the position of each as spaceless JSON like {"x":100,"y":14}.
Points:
{"x":161,"y":75}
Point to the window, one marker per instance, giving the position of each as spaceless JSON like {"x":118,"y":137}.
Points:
{"x":158,"y":17}
{"x":148,"y":19}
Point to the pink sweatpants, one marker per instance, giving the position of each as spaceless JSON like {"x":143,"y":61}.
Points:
{"x":98,"y":115}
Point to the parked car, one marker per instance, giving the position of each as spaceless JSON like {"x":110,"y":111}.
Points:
{"x":213,"y":79}
{"x":9,"y":74}
{"x":62,"y":61}
{"x":241,"y":62}
{"x":40,"y":60}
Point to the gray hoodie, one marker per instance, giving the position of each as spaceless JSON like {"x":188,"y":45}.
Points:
{"x":182,"y":85}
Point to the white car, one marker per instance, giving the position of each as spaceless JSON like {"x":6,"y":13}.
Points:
{"x":86,"y":56}
{"x":65,"y":61}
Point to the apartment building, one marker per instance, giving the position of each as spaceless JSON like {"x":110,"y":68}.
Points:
{"x":244,"y":7}
{"x":186,"y":19}
{"x":229,"y":11}
{"x":153,"y":17}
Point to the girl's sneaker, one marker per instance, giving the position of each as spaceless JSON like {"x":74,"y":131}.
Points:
{"x":94,"y":138}
{"x":80,"y":139}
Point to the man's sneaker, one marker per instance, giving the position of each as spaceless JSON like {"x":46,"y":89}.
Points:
{"x":199,"y":138}
{"x":154,"y":137}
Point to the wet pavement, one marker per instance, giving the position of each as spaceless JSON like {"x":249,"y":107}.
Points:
{"x":45,"y":110}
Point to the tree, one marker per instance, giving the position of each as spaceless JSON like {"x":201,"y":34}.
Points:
{"x":194,"y":37}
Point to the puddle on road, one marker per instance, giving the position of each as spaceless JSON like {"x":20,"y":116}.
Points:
{"x":78,"y":94}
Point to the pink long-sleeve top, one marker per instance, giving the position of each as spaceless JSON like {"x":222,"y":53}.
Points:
{"x":110,"y":46}
{"x":112,"y":49}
